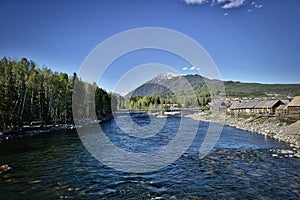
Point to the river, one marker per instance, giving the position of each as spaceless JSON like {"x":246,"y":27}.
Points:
{"x":57,"y":165}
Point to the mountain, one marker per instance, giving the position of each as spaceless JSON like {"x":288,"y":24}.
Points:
{"x":239,"y":89}
{"x":169,"y":83}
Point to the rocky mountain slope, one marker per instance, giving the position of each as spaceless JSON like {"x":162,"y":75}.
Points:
{"x":169,"y":83}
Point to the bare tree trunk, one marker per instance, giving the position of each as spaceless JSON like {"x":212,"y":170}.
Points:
{"x":23,"y":104}
{"x":31,"y":106}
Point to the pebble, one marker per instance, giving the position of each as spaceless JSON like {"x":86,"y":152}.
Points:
{"x":297,"y":155}
{"x":285,"y":151}
{"x":35,"y":181}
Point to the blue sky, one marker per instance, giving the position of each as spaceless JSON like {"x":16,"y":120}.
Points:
{"x":250,"y":41}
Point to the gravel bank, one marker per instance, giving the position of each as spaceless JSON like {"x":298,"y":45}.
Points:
{"x":268,"y":126}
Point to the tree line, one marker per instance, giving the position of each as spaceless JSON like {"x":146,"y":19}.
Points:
{"x":29,"y":94}
{"x":164,"y":102}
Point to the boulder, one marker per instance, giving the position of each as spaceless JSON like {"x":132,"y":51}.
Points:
{"x":4,"y":168}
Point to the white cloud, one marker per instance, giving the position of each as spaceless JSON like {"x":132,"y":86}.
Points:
{"x":233,"y":4}
{"x":225,"y":14}
{"x":225,"y":4}
{"x":256,"y":5}
{"x":195,"y":1}
{"x":193,"y":68}
{"x":249,"y":10}
{"x":221,"y":1}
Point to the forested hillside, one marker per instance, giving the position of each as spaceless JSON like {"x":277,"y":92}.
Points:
{"x":238,"y":89}
{"x":32,"y":94}
{"x":166,"y":83}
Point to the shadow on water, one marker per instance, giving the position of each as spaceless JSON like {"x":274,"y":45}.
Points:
{"x":140,"y":118}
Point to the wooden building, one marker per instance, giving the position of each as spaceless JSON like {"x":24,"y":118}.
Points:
{"x":255,"y":107}
{"x":218,"y":106}
{"x":268,"y":106}
{"x":294,"y":106}
{"x":282,"y":109}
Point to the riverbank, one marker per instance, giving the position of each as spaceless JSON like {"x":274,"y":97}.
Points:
{"x":34,"y":130}
{"x":274,"y":127}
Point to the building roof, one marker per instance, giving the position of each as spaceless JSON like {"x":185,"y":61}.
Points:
{"x":268,"y":103}
{"x":260,"y":104}
{"x":255,"y":104}
{"x":236,"y":105}
{"x":250,"y":105}
{"x":285,"y":101}
{"x":295,"y":102}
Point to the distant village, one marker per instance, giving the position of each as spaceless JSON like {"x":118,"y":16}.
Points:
{"x":257,"y":106}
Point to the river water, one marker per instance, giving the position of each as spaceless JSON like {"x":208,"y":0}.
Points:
{"x":57,"y":165}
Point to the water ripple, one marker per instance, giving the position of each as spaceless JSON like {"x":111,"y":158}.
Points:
{"x":57,"y":166}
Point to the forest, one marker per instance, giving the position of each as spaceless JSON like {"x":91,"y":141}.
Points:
{"x":33,"y":95}
{"x":164,"y":102}
{"x":36,"y":96}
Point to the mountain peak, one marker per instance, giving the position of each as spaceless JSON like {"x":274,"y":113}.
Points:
{"x":167,"y":75}
{"x":169,"y":82}
{"x":164,"y":77}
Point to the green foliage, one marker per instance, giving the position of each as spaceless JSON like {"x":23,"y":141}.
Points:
{"x":199,"y":85}
{"x":167,"y":101}
{"x":245,"y":116}
{"x":252,"y":90}
{"x":29,"y":93}
{"x":143,"y":103}
{"x":287,"y":120}
{"x":261,"y":120}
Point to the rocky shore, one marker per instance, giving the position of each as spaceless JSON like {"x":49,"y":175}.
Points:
{"x":34,"y":130}
{"x":31,"y":131}
{"x":268,"y":126}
